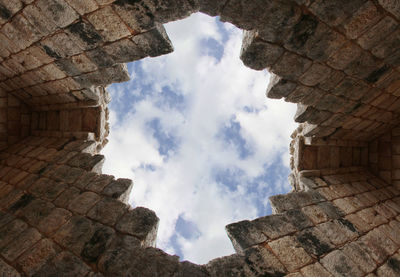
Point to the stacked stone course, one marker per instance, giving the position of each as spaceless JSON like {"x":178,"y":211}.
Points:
{"x":338,"y":60}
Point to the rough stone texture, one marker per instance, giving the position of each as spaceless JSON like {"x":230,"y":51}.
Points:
{"x":338,"y":60}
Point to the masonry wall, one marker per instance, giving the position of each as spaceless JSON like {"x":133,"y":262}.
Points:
{"x":338,"y":60}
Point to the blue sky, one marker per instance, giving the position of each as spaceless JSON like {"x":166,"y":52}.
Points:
{"x":200,"y":140}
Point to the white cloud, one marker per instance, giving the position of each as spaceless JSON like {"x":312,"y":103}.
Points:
{"x":215,"y":94}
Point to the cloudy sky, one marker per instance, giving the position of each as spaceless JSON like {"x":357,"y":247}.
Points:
{"x":202,"y":143}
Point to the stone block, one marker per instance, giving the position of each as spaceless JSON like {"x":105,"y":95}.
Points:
{"x":364,"y":18}
{"x":59,"y":11}
{"x":244,"y":234}
{"x":87,"y":162}
{"x":66,"y":197}
{"x":35,"y":211}
{"x":278,"y":87}
{"x":257,"y":53}
{"x":339,"y":264}
{"x":83,"y":7}
{"x":33,"y":259}
{"x":211,"y":7}
{"x":84,"y":202}
{"x":188,"y":269}
{"x":53,"y":221}
{"x":233,"y":265}
{"x":291,"y":66}
{"x":98,"y":243}
{"x":171,"y":10}
{"x":378,"y":245}
{"x":84,"y":35}
{"x":357,"y":254}
{"x":11,"y":231}
{"x":315,"y":74}
{"x":262,"y":261}
{"x":136,"y":15}
{"x":314,"y":242}
{"x":7,"y":270}
{"x":387,"y":45}
{"x":290,"y":253}
{"x":107,"y":211}
{"x":22,"y":243}
{"x":119,"y":189}
{"x":109,"y":25}
{"x":391,"y":6}
{"x":344,"y":56}
{"x":141,"y":223}
{"x":314,"y":270}
{"x":47,"y":189}
{"x":377,"y":33}
{"x":338,"y":231}
{"x":65,"y":264}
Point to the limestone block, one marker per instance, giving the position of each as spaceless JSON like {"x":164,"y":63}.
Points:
{"x":344,"y":56}
{"x":339,"y":264}
{"x":84,"y":202}
{"x":366,"y":67}
{"x":291,"y":66}
{"x":257,"y":53}
{"x":211,"y":7}
{"x":262,"y":261}
{"x":141,"y":223}
{"x":35,"y":210}
{"x":7,"y":270}
{"x":53,"y":221}
{"x":188,"y":269}
{"x":11,"y":231}
{"x":94,"y":182}
{"x":244,"y":234}
{"x":278,"y":87}
{"x":274,"y":226}
{"x":47,"y":189}
{"x":391,"y":6}
{"x":119,"y":189}
{"x":171,"y":10}
{"x":335,"y":13}
{"x":307,"y":113}
{"x":84,"y":35}
{"x":315,"y":74}
{"x":364,"y":18}
{"x":108,"y":24}
{"x":107,"y":211}
{"x":137,"y":15}
{"x":314,"y":242}
{"x":387,"y":45}
{"x":290,"y":253}
{"x":377,"y":33}
{"x":59,"y":11}
{"x":315,"y":269}
{"x":65,"y":264}
{"x":83,"y":7}
{"x":233,"y":265}
{"x":32,"y":260}
{"x":118,"y":258}
{"x":98,"y":243}
{"x":23,"y":242}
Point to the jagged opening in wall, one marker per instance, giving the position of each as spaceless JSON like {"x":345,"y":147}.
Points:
{"x":196,"y":133}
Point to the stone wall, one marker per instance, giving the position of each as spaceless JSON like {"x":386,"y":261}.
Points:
{"x":338,"y":60}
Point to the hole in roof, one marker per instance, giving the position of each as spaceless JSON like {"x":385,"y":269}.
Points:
{"x":200,"y":140}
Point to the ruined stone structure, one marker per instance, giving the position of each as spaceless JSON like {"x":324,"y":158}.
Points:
{"x":339,"y":60}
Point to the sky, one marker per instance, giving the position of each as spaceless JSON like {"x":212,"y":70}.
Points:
{"x":198,"y":137}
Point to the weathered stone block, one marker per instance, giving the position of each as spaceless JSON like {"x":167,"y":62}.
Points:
{"x":119,"y":189}
{"x":344,"y":56}
{"x":233,"y":265}
{"x":314,"y":242}
{"x":84,"y":202}
{"x":291,"y":66}
{"x":33,"y":259}
{"x":262,"y":261}
{"x":257,"y":53}
{"x":340,"y":265}
{"x":107,"y":211}
{"x":18,"y":246}
{"x":65,"y":264}
{"x":108,"y":24}
{"x":391,"y":6}
{"x":137,"y":15}
{"x":171,"y":10}
{"x":244,"y":234}
{"x":141,"y":223}
{"x":59,"y":11}
{"x":278,"y":87}
{"x":290,"y":253}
